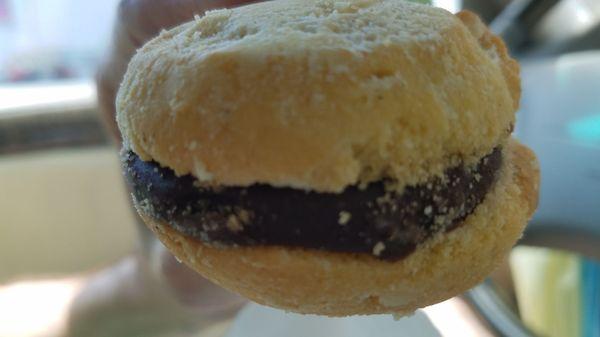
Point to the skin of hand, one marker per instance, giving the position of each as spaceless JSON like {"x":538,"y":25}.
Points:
{"x":137,"y":22}
{"x":151,"y":283}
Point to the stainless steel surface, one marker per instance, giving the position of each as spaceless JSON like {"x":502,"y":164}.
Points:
{"x":571,"y":25}
{"x":557,"y":94}
{"x":560,"y":104}
{"x":542,"y":27}
{"x":500,"y":316}
{"x":487,"y":10}
{"x":517,"y":20}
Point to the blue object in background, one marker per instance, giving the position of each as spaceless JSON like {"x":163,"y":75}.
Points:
{"x":585,"y":130}
{"x":590,"y":298}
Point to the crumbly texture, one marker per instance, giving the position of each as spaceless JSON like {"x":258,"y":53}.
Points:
{"x":339,"y":284}
{"x":319,"y":94}
{"x":354,"y":221}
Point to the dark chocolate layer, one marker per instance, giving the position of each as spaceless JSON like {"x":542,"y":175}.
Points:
{"x":370,"y":220}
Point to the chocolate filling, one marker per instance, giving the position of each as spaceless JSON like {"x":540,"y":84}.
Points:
{"x":369,"y":220}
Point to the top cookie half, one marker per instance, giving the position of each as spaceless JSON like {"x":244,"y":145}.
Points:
{"x":319,"y":94}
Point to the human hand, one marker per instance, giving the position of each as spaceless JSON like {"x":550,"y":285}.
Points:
{"x":150,"y":283}
{"x":137,"y":22}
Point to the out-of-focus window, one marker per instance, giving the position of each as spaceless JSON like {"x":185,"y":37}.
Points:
{"x":43,"y":40}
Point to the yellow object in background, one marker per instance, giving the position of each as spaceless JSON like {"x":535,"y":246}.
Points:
{"x":62,"y":212}
{"x":548,"y":288}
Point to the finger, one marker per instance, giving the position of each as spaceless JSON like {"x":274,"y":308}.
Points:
{"x":188,"y":286}
{"x":110,"y":73}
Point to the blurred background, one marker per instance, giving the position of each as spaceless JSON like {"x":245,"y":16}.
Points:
{"x":65,"y":213}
